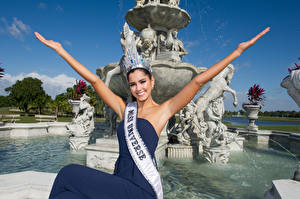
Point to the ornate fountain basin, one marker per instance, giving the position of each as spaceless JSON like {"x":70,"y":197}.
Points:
{"x":160,"y":16}
{"x":170,"y":78}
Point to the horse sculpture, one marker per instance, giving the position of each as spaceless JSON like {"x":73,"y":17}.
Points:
{"x":218,"y":86}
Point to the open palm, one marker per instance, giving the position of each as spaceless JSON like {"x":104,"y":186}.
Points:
{"x":50,"y":43}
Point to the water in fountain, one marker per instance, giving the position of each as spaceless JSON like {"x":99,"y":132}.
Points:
{"x":245,"y":176}
{"x":277,"y":143}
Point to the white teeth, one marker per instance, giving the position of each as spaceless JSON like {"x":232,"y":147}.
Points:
{"x":142,"y":93}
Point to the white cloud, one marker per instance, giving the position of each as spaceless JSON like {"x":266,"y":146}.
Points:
{"x":42,"y":6}
{"x":67,"y":43}
{"x":52,"y":85}
{"x":240,"y":66}
{"x":17,"y":28}
{"x":25,"y":28}
{"x":221,"y":25}
{"x":59,"y":8}
{"x":28,"y":48}
{"x":189,"y":44}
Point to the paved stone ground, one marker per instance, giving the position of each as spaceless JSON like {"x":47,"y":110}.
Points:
{"x":26,"y":185}
{"x":284,"y":189}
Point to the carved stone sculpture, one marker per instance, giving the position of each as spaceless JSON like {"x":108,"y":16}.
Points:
{"x":174,"y":2}
{"x":292,"y":84}
{"x":82,"y":124}
{"x":185,"y":126}
{"x":170,"y":47}
{"x":216,"y":132}
{"x":201,"y":122}
{"x":218,"y":86}
{"x":154,"y":1}
{"x":147,"y":43}
{"x":139,"y":3}
{"x":178,"y":45}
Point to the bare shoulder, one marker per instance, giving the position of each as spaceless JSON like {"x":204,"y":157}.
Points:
{"x":157,"y":116}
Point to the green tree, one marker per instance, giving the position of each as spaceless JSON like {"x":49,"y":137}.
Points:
{"x":95,"y":101}
{"x":28,"y":93}
{"x":42,"y":101}
{"x":4,"y":101}
{"x":61,"y":104}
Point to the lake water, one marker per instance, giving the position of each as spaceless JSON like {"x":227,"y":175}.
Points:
{"x":247,"y":175}
{"x":245,"y":121}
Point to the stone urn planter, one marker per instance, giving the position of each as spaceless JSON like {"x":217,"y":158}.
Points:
{"x":75,"y":106}
{"x":252,"y":114}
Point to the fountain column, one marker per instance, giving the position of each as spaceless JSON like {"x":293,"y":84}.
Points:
{"x":158,"y":24}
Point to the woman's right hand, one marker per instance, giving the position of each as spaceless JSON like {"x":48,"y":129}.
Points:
{"x":50,"y":43}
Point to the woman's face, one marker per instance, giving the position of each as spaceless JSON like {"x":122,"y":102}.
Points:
{"x":140,"y":85}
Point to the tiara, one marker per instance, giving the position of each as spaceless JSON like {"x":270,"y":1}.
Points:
{"x":131,"y":59}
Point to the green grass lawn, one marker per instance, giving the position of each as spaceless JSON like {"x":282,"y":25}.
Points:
{"x":295,"y":129}
{"x":279,"y":119}
{"x":276,"y":119}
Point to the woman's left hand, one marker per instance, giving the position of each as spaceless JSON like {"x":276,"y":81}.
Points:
{"x":245,"y":45}
{"x":50,"y":43}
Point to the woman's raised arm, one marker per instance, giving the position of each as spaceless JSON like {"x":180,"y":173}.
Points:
{"x":182,"y":98}
{"x":109,"y":98}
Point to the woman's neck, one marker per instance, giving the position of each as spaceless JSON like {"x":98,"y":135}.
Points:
{"x":142,"y":105}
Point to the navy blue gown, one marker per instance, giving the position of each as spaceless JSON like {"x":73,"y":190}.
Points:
{"x":127,"y":182}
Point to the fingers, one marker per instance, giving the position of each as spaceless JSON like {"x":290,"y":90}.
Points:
{"x":261,"y":34}
{"x":39,"y":37}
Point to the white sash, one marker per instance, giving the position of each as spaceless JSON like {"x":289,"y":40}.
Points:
{"x":139,"y":151}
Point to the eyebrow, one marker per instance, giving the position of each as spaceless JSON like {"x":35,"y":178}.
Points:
{"x":143,"y":79}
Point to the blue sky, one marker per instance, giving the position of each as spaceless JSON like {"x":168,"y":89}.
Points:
{"x":90,"y":31}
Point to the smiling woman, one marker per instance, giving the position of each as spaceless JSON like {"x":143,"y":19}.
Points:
{"x":140,"y":82}
{"x":135,"y":175}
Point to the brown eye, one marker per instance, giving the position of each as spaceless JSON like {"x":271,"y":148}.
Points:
{"x":131,"y":84}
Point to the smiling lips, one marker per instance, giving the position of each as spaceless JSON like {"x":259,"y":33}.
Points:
{"x":140,"y":93}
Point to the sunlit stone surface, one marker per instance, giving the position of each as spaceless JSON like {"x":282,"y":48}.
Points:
{"x":292,"y":84}
{"x":26,"y":185}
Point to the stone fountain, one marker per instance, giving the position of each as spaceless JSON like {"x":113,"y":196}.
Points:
{"x":158,"y":23}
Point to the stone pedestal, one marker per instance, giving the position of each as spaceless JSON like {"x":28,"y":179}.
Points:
{"x":237,"y":145}
{"x":252,"y":114}
{"x":284,"y":189}
{"x":27,"y":184}
{"x":179,"y":151}
{"x":216,"y":154}
{"x":78,"y":143}
{"x":105,"y":152}
{"x":261,"y":136}
{"x":169,"y":56}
